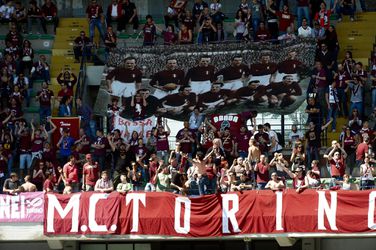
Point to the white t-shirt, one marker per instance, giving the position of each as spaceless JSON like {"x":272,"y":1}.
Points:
{"x":277,"y":147}
{"x":367,"y":172}
{"x":305,"y":32}
{"x":294,"y":136}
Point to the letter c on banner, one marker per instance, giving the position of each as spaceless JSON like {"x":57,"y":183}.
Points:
{"x":371,"y":211}
{"x":93,"y":225}
{"x":187,"y":215}
{"x":228,"y":214}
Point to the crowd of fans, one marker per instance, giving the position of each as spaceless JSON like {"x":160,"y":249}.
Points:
{"x":205,"y":159}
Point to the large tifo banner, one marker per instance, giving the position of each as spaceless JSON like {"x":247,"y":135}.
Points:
{"x":270,"y":78}
{"x":250,"y":212}
{"x":25,"y":207}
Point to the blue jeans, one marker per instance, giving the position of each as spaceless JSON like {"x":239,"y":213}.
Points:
{"x":95,"y":23}
{"x":278,"y":3}
{"x":358,"y":106}
{"x":44,"y":112}
{"x":312,"y":154}
{"x":261,"y":185}
{"x":303,"y":12}
{"x":342,"y":102}
{"x":101,"y":161}
{"x":43,"y":75}
{"x":333,"y":114}
{"x":373,"y":98}
{"x":25,"y":159}
{"x":203,"y":185}
{"x":348,"y":10}
{"x":255,"y":25}
{"x":10,"y":164}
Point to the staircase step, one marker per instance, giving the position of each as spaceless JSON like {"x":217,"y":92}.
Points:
{"x":71,"y":22}
{"x":62,"y":52}
{"x":32,"y":109}
{"x":62,"y":59}
{"x":63,"y":45}
{"x":68,"y":38}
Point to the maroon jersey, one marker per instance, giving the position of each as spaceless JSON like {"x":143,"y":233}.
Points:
{"x":228,"y":142}
{"x":37,"y":144}
{"x":261,"y":69}
{"x":94,"y":11}
{"x":290,"y":66}
{"x":243,"y":141}
{"x":184,"y":136}
{"x":149,"y":33}
{"x":179,"y":100}
{"x":45,"y":99}
{"x":162,"y":141}
{"x":233,"y":72}
{"x":210,"y":97}
{"x":340,"y":78}
{"x":164,"y":77}
{"x":125,"y":75}
{"x":201,"y":74}
{"x":100,"y":151}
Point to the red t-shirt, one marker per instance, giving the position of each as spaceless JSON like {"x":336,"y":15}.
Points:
{"x":91,"y":173}
{"x":361,"y":150}
{"x":48,"y":184}
{"x":262,"y":173}
{"x":71,"y":172}
{"x":337,"y":168}
{"x":285,"y":20}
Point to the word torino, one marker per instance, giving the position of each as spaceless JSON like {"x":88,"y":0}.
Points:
{"x":250,"y":212}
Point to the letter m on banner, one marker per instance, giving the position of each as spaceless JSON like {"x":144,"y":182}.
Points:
{"x":60,"y":209}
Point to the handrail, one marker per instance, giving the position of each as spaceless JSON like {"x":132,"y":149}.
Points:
{"x":81,"y":76}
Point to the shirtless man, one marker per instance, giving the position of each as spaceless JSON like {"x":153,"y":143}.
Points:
{"x":200,"y":169}
{"x":275,"y":184}
{"x":124,"y":81}
{"x":253,"y":152}
{"x":28,"y":186}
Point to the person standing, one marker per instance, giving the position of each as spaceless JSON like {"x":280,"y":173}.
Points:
{"x":90,"y":174}
{"x":95,"y":18}
{"x":44,"y":96}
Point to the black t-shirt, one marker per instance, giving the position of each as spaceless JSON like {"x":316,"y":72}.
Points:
{"x":313,"y":138}
{"x":314,"y":117}
{"x":120,"y":163}
{"x":129,"y":9}
{"x":177,"y":179}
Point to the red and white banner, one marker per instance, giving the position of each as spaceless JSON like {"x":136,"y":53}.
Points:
{"x":120,"y":122}
{"x":25,"y":207}
{"x":71,"y":123}
{"x":232,"y":121}
{"x":250,"y":212}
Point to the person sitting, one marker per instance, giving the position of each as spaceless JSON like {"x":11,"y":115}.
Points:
{"x":82,"y":47}
{"x":275,"y":184}
{"x":104,"y":184}
{"x":124,"y":187}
